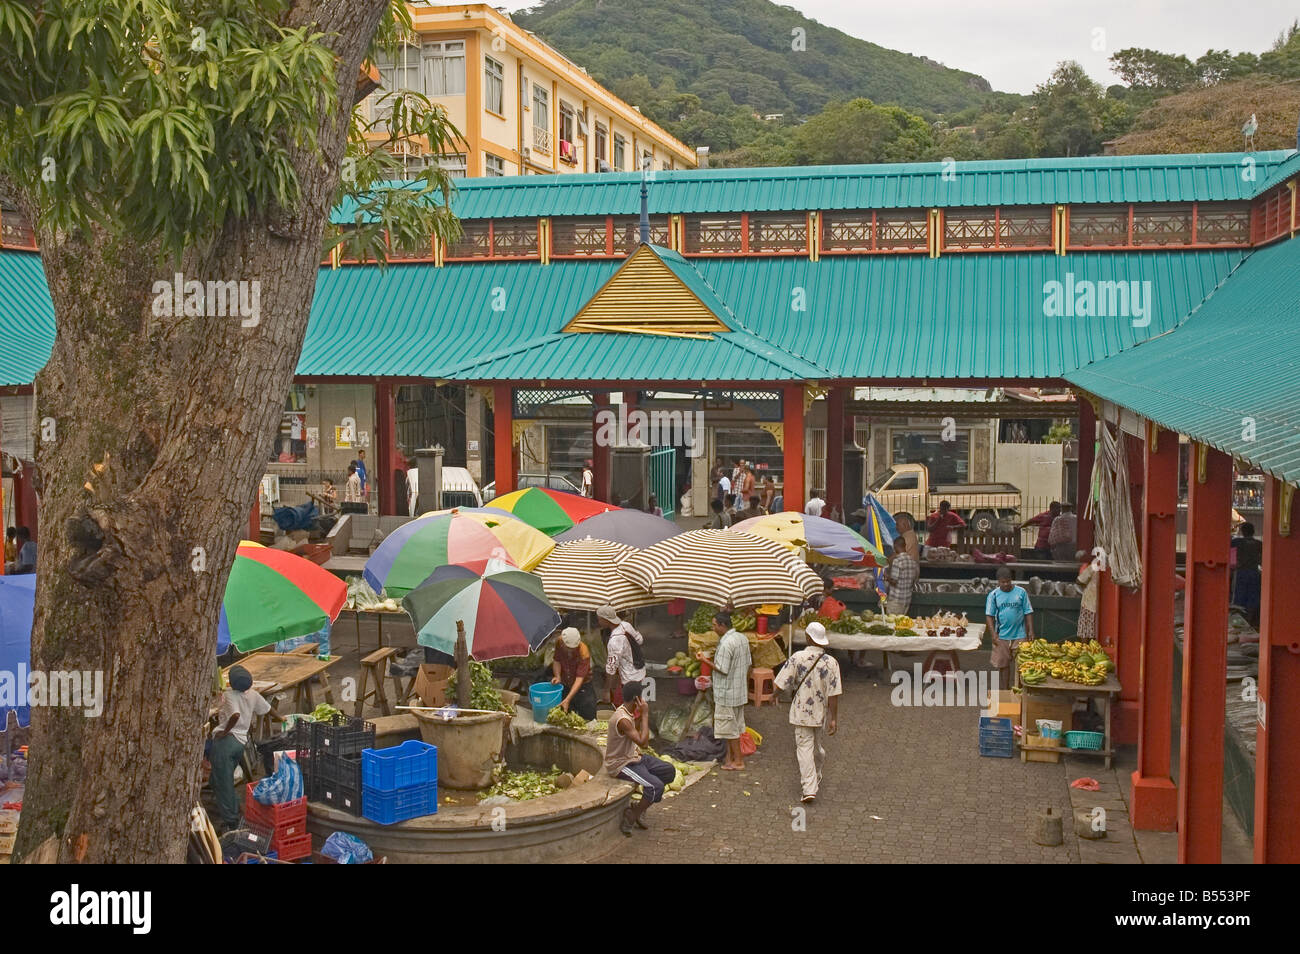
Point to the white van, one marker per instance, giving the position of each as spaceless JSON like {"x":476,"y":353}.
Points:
{"x":459,"y":489}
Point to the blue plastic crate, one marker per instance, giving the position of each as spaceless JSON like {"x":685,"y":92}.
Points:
{"x":411,"y":763}
{"x":388,"y":808}
{"x":998,"y":750}
{"x":990,"y":724}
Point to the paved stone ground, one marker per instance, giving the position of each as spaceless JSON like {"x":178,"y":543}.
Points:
{"x":901,"y":785}
{"x":917,"y":770}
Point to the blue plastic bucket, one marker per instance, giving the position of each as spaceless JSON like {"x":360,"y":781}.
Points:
{"x":544,"y":697}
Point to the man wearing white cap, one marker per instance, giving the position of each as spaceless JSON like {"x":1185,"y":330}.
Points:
{"x":624,"y":661}
{"x":814,"y":675}
{"x":571,"y":669}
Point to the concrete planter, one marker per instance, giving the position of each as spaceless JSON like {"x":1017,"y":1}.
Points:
{"x":468,"y":747}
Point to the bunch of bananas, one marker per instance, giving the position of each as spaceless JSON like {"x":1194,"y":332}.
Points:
{"x":1083,"y":663}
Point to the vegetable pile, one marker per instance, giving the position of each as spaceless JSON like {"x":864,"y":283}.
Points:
{"x":324,"y":712}
{"x":483,"y":691}
{"x":566,"y":720}
{"x":522,"y":786}
{"x":702,"y":618}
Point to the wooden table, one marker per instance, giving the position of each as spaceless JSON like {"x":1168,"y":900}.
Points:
{"x":1104,"y":692}
{"x":289,"y":671}
{"x":932,"y":646}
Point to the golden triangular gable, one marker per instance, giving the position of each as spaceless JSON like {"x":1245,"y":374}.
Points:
{"x":645,"y":297}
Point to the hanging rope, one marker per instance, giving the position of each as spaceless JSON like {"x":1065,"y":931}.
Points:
{"x":1112,"y":511}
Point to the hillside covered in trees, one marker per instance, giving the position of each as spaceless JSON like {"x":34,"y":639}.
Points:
{"x":740,"y":77}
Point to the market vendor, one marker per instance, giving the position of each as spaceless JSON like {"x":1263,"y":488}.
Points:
{"x":1010,"y":620}
{"x":571,"y":669}
{"x":731,"y":662}
{"x":239,"y":705}
{"x":629,"y":729}
{"x":624,"y":661}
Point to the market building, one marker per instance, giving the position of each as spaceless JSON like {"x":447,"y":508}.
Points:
{"x":1158,"y":289}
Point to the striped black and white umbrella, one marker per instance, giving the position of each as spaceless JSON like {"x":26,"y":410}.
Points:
{"x":583,"y":575}
{"x":723,"y":568}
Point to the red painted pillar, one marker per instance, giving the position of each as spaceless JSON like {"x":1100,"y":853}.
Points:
{"x":1277,"y":734}
{"x":601,"y":439}
{"x":1128,"y":631}
{"x":835,"y":451}
{"x":255,"y":520}
{"x":1205,"y":663}
{"x":792,"y":419}
{"x":1154,"y":802}
{"x":386,"y":456}
{"x":1087,"y":457}
{"x":503,"y":438}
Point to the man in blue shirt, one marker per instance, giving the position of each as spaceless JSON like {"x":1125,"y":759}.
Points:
{"x":1010,"y":621}
{"x":360,"y":464}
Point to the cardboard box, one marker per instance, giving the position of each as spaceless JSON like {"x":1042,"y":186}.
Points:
{"x":1035,"y":706}
{"x":1003,"y":704}
{"x":431,"y":684}
{"x":1035,"y":748}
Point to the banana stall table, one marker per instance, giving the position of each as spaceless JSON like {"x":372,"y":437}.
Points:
{"x":932,"y":646}
{"x":1105,"y":693}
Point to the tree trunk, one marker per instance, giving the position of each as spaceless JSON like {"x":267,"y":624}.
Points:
{"x":162,"y":430}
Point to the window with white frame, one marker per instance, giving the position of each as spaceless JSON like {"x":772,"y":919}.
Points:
{"x":567,"y":131}
{"x":398,"y":73}
{"x":444,"y":68}
{"x":493,"y":165}
{"x":494,"y":86}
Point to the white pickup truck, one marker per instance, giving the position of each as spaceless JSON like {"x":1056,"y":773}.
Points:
{"x":986,"y":508}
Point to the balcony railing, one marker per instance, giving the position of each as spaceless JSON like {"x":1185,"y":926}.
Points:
{"x":542,"y":140}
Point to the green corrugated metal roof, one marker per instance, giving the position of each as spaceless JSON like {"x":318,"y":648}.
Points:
{"x":1207,"y":177}
{"x":26,"y":317}
{"x":1235,"y":361}
{"x":884,"y":316}
{"x":972,"y":315}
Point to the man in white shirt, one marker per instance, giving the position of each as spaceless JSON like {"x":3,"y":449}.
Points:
{"x":352,"y":488}
{"x":588,"y":487}
{"x":814,"y":675}
{"x":240,"y":704}
{"x":815,"y":505}
{"x":724,"y":490}
{"x":624,"y":661}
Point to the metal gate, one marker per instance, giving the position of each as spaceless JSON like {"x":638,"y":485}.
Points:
{"x":663,"y":479}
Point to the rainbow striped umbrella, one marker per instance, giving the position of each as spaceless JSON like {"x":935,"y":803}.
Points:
{"x":504,"y":611}
{"x":273,"y":595}
{"x":414,"y":550}
{"x":823,"y":540}
{"x":550,"y":511}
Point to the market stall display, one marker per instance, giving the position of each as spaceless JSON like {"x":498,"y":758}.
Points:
{"x":723,"y":568}
{"x":1070,"y":661}
{"x":944,"y":633}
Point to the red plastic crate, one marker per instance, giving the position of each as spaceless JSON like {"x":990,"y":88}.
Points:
{"x":288,"y":818}
{"x":293,"y":847}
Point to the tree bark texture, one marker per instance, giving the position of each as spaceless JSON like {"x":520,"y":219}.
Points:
{"x":163,"y":430}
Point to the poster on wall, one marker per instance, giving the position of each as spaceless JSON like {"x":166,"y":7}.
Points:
{"x":342,"y":438}
{"x":363,"y":438}
{"x":313,"y":438}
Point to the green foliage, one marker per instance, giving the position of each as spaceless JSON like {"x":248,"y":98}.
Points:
{"x":1058,"y":432}
{"x":861,"y":131}
{"x":165,"y":120}
{"x":483,"y":691}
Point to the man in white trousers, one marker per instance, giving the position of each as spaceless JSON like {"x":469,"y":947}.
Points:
{"x":814,"y":675}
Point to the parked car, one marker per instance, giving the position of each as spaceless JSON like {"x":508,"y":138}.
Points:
{"x":550,"y":481}
{"x":459,"y":489}
{"x":986,"y":508}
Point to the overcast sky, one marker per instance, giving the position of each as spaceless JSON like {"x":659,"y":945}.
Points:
{"x":1014,"y":44}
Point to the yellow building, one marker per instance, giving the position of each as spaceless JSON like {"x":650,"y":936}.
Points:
{"x":522,"y":107}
